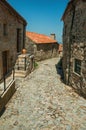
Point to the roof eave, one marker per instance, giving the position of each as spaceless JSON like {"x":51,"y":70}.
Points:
{"x":46,"y":42}
{"x":14,"y":11}
{"x":67,"y":7}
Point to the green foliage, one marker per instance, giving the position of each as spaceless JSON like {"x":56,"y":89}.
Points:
{"x":35,"y":64}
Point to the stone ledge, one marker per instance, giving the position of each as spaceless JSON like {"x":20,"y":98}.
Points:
{"x":7,"y":95}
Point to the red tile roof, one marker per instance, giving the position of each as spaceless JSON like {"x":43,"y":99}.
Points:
{"x":40,"y":38}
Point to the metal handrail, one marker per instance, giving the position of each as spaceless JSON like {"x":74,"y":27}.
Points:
{"x":3,"y":79}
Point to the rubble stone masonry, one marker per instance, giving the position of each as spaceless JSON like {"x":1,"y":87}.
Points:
{"x":41,"y":51}
{"x":74,"y":47}
{"x":10,"y":22}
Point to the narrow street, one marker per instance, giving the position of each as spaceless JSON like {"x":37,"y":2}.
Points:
{"x":43,"y":102}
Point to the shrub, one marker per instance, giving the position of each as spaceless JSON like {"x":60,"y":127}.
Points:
{"x":35,"y":64}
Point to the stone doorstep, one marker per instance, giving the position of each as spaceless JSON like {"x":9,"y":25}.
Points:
{"x":20,"y":73}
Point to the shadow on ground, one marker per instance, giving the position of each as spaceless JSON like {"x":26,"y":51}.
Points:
{"x":59,"y":69}
{"x":2,"y":111}
{"x":60,"y":72}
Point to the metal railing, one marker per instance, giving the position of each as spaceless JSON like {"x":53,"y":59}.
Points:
{"x":6,"y":80}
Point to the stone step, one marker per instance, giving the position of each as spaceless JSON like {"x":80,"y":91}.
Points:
{"x":20,"y":73}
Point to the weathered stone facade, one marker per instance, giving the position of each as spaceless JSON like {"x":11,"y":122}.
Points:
{"x":74,"y":47}
{"x":45,"y":51}
{"x":12,"y":34}
{"x":60,"y":50}
{"x":41,"y":51}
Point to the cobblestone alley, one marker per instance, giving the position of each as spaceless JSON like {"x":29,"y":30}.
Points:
{"x":43,"y":102}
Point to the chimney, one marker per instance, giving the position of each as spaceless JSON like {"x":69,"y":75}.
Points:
{"x":53,"y":36}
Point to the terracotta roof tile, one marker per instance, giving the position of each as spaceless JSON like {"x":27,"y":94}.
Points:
{"x":39,"y":38}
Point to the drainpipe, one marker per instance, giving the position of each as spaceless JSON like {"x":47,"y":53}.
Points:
{"x":70,"y":39}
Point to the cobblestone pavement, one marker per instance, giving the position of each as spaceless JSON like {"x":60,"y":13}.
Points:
{"x":43,"y":102}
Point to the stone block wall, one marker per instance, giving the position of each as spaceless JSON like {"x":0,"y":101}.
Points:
{"x":24,"y":65}
{"x":7,"y":95}
{"x":41,"y":51}
{"x":74,"y":47}
{"x":8,"y":41}
{"x":45,"y":51}
{"x":29,"y":45}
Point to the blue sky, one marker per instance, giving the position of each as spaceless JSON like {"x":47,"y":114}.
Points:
{"x":42,"y":16}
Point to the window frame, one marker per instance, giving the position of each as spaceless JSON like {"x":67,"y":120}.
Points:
{"x":77,"y":63}
{"x":19,"y":38}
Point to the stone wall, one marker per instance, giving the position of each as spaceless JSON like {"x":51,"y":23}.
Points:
{"x":24,"y":65}
{"x":8,"y":41}
{"x":7,"y":95}
{"x":74,"y":39}
{"x":41,"y":51}
{"x":45,"y":51}
{"x":30,"y":46}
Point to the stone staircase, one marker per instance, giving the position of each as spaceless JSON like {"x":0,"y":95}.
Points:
{"x":24,"y":65}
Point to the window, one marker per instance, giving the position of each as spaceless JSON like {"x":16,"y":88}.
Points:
{"x":4,"y":29}
{"x":19,"y":40}
{"x":73,"y":38}
{"x":77,"y":67}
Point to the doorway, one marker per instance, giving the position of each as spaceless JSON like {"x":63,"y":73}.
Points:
{"x":18,"y":40}
{"x":4,"y":62}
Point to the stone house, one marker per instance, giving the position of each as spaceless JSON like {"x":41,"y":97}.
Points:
{"x":60,"y":49}
{"x":12,"y":36}
{"x":74,"y":45}
{"x":41,"y":46}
